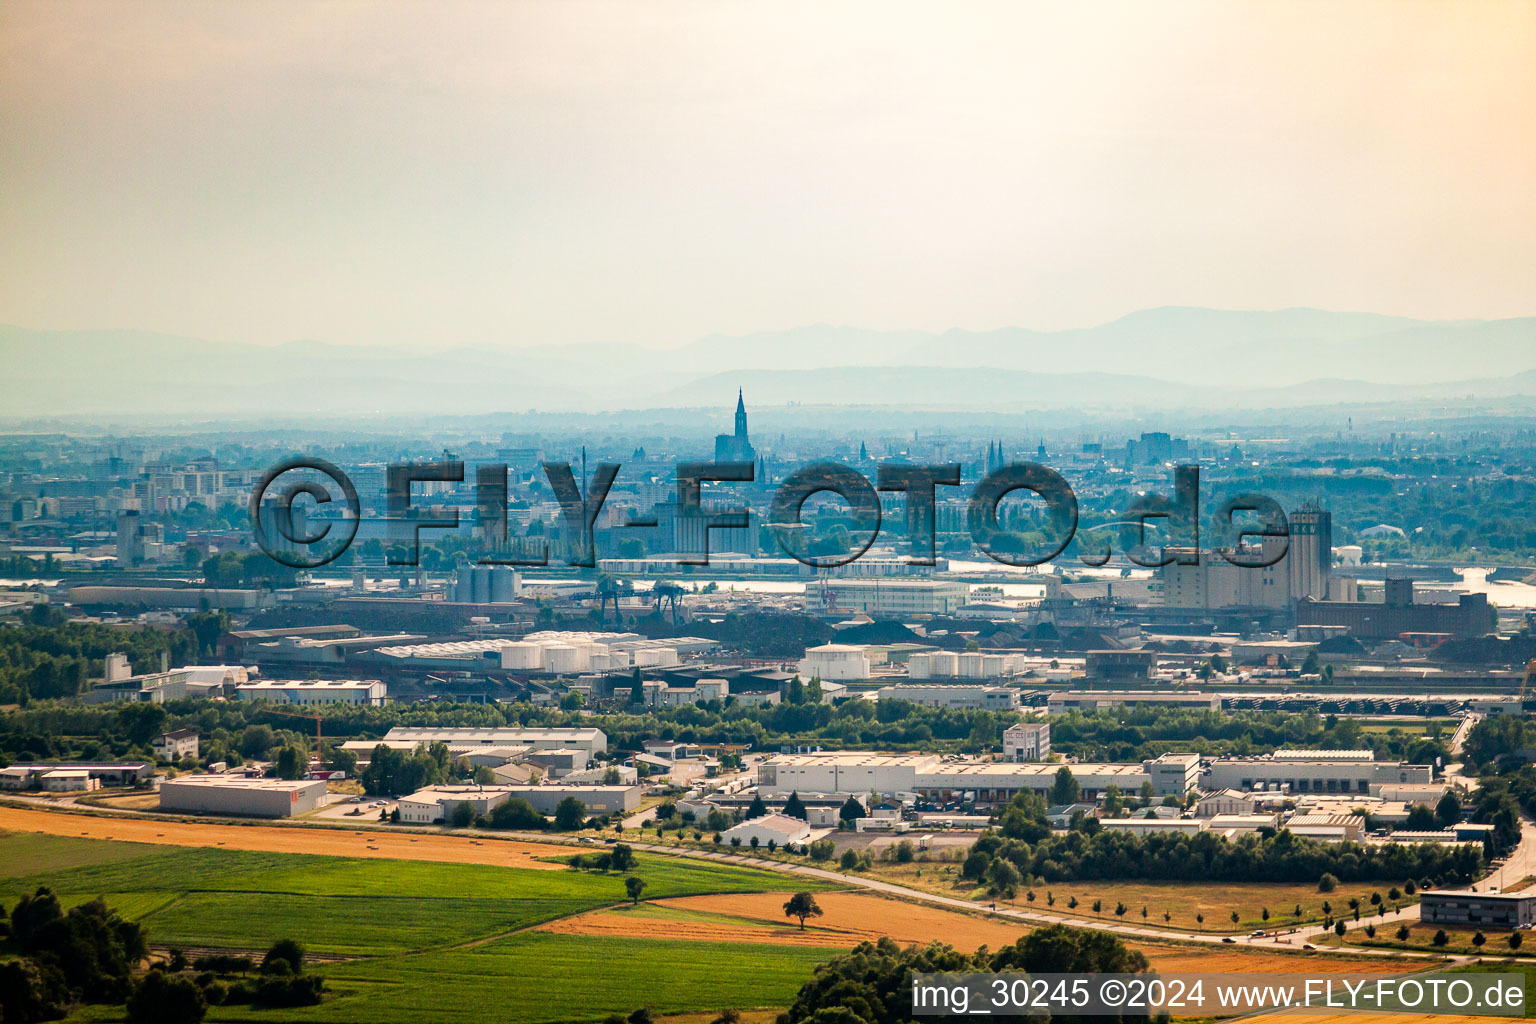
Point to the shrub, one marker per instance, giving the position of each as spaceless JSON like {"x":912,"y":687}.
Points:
{"x":161,"y":998}
{"x":1327,"y":883}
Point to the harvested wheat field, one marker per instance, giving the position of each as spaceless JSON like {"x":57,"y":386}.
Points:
{"x":286,"y":839}
{"x":848,"y":919}
{"x":1238,"y":961}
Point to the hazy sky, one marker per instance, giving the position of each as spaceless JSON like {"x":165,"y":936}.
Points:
{"x":514,"y":173}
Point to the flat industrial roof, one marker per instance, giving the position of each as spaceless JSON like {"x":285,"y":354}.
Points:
{"x":242,"y":782}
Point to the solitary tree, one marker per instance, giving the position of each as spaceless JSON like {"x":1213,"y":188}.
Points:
{"x":1478,"y":938}
{"x":1370,"y":931}
{"x":757,"y":808}
{"x":1235,"y":918}
{"x":1340,"y":928}
{"x":634,"y":885}
{"x":1403,"y":933}
{"x":1200,"y":921}
{"x":1440,"y":938}
{"x":1071,"y":902}
{"x":802,"y":905}
{"x":1514,"y":940}
{"x":794,"y":807}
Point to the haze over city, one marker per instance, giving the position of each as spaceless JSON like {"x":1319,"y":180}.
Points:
{"x":658,"y":173}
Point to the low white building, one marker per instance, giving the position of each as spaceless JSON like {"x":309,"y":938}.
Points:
{"x":780,"y":829}
{"x":67,"y":780}
{"x":955,"y":696}
{"x":888,"y":598}
{"x":436,"y":803}
{"x":1225,"y":801}
{"x":1242,"y":822}
{"x":622,"y":774}
{"x":835,"y":661}
{"x":237,"y":794}
{"x":314,"y":691}
{"x":1141,"y":826}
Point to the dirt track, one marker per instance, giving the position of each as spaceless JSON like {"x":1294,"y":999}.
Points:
{"x":286,"y":839}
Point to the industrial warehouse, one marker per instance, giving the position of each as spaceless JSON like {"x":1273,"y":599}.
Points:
{"x":241,"y":795}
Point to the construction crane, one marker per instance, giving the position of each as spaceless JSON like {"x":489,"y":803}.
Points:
{"x":1530,"y":672}
{"x":319,"y":754}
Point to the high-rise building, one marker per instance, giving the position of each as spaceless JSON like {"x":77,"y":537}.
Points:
{"x":130,"y":540}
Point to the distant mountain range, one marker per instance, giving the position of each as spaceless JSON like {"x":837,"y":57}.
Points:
{"x":1159,"y":359}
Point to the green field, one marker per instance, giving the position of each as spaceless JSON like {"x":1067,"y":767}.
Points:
{"x":538,"y":977}
{"x":431,"y":940}
{"x":23,"y":853}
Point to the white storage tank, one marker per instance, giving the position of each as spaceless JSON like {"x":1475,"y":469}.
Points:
{"x":522,"y":656}
{"x":565,"y":658}
{"x":945,"y":664}
{"x":920,"y":665}
{"x":655,"y":657}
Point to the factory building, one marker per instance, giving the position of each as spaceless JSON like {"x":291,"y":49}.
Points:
{"x":889,"y":598}
{"x":593,"y":741}
{"x":600,"y":799}
{"x":239,"y":795}
{"x":1317,"y":771}
{"x":779,"y":829}
{"x":435,"y":803}
{"x":314,"y":691}
{"x":555,"y":652}
{"x":835,"y":661}
{"x":167,"y":684}
{"x":954,"y":696}
{"x":986,"y":782}
{"x":1502,"y":910}
{"x":1397,"y":613}
{"x":126,"y":773}
{"x":1067,"y":700}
